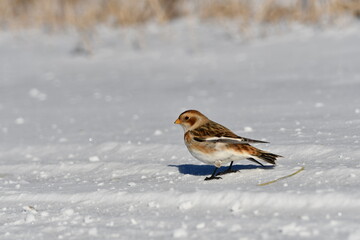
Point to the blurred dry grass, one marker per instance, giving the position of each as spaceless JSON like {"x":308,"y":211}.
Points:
{"x":271,"y":11}
{"x":84,"y":14}
{"x":56,"y":14}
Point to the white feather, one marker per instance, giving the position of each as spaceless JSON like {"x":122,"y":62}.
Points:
{"x":227,"y":139}
{"x":220,"y":157}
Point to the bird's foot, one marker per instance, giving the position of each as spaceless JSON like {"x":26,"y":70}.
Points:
{"x":228,"y":171}
{"x":211,"y":178}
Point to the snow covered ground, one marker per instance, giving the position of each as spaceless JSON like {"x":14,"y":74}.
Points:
{"x":89,"y":149}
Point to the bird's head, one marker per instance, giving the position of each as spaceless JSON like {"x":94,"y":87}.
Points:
{"x":191,"y":119}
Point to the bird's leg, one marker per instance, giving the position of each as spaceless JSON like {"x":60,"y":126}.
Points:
{"x":213,"y":175}
{"x":229,"y":170}
{"x":253,"y":160}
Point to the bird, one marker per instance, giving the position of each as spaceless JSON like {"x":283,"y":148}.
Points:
{"x":214,"y":144}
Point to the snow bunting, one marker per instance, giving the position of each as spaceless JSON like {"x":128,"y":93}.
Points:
{"x":214,"y":144}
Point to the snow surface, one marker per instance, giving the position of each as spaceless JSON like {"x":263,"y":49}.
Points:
{"x":89,"y":149}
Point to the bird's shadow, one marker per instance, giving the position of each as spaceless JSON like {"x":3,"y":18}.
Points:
{"x":203,"y":170}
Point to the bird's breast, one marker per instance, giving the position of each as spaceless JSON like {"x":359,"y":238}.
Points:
{"x":207,"y":152}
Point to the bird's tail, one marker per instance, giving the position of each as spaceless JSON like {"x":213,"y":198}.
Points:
{"x":267,"y":157}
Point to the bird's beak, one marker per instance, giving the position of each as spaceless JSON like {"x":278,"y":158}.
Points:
{"x":177,"y":121}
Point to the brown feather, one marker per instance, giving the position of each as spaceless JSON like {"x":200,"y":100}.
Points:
{"x":248,"y":149}
{"x":212,"y":129}
{"x":201,"y":147}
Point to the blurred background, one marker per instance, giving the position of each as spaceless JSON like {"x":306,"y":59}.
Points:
{"x":86,"y":14}
{"x":90,"y":89}
{"x":244,"y":19}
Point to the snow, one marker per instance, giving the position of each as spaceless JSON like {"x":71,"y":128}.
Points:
{"x":89,"y":149}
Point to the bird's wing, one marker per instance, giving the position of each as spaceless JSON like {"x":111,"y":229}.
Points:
{"x":214,"y":132}
{"x":237,"y":140}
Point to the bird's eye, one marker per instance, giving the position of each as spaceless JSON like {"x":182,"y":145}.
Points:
{"x":186,"y":118}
